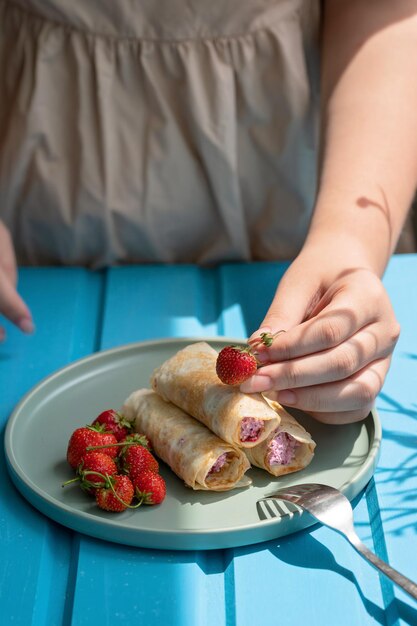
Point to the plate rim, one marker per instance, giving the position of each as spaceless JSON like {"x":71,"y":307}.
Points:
{"x":35,"y":495}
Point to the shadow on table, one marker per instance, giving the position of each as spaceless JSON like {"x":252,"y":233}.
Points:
{"x":317,"y":556}
{"x":397,"y":407}
{"x":399,"y":516}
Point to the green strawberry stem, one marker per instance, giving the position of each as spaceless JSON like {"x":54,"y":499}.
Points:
{"x":145,"y":496}
{"x":123,"y":421}
{"x":141,"y":495}
{"x":109,"y":483}
{"x":96,"y":428}
{"x":119,"y":444}
{"x":68,"y":482}
{"x":87,"y":483}
{"x":265,"y":338}
{"x":109,"y":445}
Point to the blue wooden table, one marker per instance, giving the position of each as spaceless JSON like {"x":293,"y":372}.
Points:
{"x":50,"y":575}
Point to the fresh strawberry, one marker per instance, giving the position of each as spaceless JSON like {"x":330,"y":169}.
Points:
{"x":115,"y":423}
{"x":136,"y":459}
{"x":235,"y":364}
{"x":116,"y":495}
{"x":86,"y":437}
{"x":150,"y":488}
{"x":91,"y":470}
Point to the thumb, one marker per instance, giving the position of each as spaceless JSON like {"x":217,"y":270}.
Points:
{"x":293,"y":300}
{"x":12,"y":306}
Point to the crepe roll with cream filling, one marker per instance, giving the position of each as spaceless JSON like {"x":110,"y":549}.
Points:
{"x":191,"y":450}
{"x":189,"y":380}
{"x":288,"y":449}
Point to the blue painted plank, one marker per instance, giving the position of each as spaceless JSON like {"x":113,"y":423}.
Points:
{"x":152,"y":587}
{"x":246,"y":291}
{"x":299,"y":580}
{"x":151,"y":302}
{"x":36,"y":553}
{"x":396,"y":475}
{"x":147,"y":586}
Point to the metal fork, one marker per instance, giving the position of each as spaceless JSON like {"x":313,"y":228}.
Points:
{"x":330,"y":507}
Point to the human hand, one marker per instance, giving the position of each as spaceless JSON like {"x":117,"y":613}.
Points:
{"x":11,"y":304}
{"x":340,"y":333}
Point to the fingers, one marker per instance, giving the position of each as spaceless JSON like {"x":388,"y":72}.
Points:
{"x":333,"y":358}
{"x":11,"y":304}
{"x":294,"y":296}
{"x":341,"y":401}
{"x":346,"y":311}
{"x":7,"y":256}
{"x":335,"y":364}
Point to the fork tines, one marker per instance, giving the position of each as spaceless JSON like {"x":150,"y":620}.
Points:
{"x":269,"y":509}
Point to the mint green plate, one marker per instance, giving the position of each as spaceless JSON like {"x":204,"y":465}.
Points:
{"x":43,"y":421}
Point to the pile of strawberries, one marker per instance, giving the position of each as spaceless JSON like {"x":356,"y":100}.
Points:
{"x":115,"y":465}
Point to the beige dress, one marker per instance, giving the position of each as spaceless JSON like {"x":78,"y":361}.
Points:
{"x":157,"y":130}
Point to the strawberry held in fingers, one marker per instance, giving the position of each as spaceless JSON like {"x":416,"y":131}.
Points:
{"x":235,"y":364}
{"x":150,"y":488}
{"x":115,"y":423}
{"x":86,"y":437}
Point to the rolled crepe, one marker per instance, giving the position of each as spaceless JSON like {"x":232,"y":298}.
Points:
{"x":189,"y":380}
{"x":288,"y":449}
{"x":192,"y":451}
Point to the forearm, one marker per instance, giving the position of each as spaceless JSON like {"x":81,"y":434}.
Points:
{"x":369,"y":128}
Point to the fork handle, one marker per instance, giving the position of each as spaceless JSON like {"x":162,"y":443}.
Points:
{"x":399,"y":579}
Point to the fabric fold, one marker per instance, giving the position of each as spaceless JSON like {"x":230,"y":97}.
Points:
{"x":169,"y":131}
